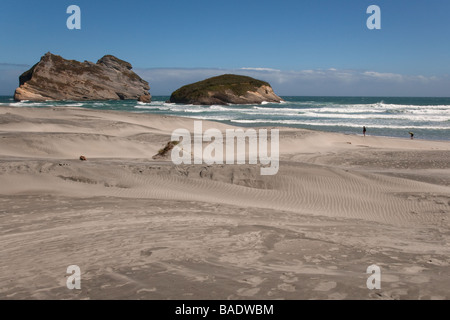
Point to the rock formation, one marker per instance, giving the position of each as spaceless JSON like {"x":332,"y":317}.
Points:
{"x":55,"y":78}
{"x":226,"y":89}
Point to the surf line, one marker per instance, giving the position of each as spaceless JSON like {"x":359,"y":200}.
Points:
{"x":235,"y":147}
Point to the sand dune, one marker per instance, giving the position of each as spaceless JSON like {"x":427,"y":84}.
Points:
{"x":141,"y":228}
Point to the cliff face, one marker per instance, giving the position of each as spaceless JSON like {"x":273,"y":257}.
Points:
{"x":55,"y":78}
{"x":226,"y":89}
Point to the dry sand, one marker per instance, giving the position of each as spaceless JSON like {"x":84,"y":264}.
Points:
{"x":146,"y":229}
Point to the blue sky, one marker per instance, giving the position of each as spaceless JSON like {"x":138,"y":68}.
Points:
{"x":314,"y":47}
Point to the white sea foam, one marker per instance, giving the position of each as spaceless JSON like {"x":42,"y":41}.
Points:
{"x":26,"y":103}
{"x":345,"y":124}
{"x":284,"y":114}
{"x":317,"y":114}
{"x":74,"y":105}
{"x":395,"y":106}
{"x":146,"y":107}
{"x":100,"y":104}
{"x":219,"y":108}
{"x":262,"y":109}
{"x":344,"y":110}
{"x":214,"y":118}
{"x":193,"y":110}
{"x":400,"y":116}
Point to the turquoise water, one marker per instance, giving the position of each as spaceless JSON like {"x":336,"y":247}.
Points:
{"x":428,"y":118}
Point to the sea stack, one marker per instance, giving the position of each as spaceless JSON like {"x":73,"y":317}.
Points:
{"x":55,"y":78}
{"x":226,"y":89}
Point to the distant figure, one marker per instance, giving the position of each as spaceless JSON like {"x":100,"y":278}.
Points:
{"x":412,"y":135}
{"x":364,"y":131}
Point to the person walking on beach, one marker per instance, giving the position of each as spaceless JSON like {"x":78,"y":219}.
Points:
{"x":364,"y":131}
{"x":412,"y":135}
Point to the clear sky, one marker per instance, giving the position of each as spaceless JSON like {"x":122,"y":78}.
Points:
{"x":305,"y":47}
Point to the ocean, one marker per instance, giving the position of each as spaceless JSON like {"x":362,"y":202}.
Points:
{"x":427,"y":118}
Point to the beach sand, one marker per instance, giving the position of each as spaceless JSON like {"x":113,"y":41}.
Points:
{"x":140,"y":228}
